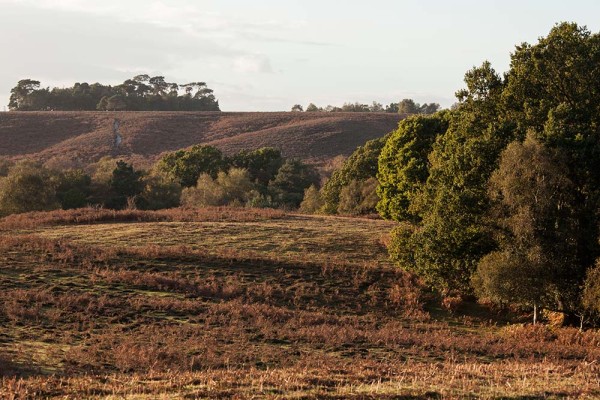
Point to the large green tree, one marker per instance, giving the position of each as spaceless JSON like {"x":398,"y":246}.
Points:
{"x":551,"y":93}
{"x":403,"y":165}
{"x":537,"y":262}
{"x":261,"y":164}
{"x":445,"y":246}
{"x":186,"y":166}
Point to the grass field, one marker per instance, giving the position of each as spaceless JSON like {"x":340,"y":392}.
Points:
{"x":251,"y":304}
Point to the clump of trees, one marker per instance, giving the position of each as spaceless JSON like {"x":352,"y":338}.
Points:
{"x":405,"y":107}
{"x":199,"y":176}
{"x":500,"y":196}
{"x":350,"y":180}
{"x":140,"y":93}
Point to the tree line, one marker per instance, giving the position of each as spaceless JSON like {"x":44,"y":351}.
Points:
{"x":405,"y":107}
{"x":499,"y":197}
{"x":140,"y":93}
{"x":196,"y":177}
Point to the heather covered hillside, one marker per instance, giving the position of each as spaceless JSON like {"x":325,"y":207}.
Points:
{"x":78,"y":138}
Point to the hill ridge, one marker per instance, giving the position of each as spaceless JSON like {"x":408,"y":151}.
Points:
{"x":72,"y":138}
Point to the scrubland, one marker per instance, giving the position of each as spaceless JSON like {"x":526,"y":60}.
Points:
{"x":238,"y":303}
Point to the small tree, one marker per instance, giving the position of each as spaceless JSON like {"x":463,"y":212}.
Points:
{"x":73,"y":189}
{"x":533,"y":204}
{"x":5,"y":165}
{"x":297,"y":108}
{"x":27,"y":187}
{"x":360,"y":166}
{"x":185,"y":166}
{"x":160,"y":193}
{"x":313,"y":108}
{"x":312,"y":201}
{"x":591,"y":290}
{"x":126,"y":183}
{"x":292,"y":179}
{"x":229,"y":188}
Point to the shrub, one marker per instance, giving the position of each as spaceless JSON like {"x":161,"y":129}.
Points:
{"x":160,"y":193}
{"x":228,"y":188}
{"x":27,"y":187}
{"x":359,"y":197}
{"x":292,"y":179}
{"x":312,"y":201}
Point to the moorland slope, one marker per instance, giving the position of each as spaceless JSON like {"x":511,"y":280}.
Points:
{"x":83,"y":137}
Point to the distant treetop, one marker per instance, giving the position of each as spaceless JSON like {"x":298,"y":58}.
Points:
{"x":140,"y":93}
{"x":405,"y":107}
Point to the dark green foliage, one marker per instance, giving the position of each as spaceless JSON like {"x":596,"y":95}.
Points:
{"x":160,"y":193}
{"x":532,"y":200}
{"x":360,"y":166}
{"x":538,"y":224}
{"x":359,"y":198}
{"x":403,"y":166}
{"x":74,"y":189}
{"x":140,"y":93}
{"x":292,"y":179}
{"x":262,"y":164}
{"x":408,"y":107}
{"x":186,"y":166}
{"x":125,"y":183}
{"x":452,"y":235}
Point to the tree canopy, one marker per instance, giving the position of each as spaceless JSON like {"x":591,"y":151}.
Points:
{"x":495,"y":206}
{"x":140,"y":93}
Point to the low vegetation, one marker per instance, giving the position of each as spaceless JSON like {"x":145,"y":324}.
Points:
{"x":95,"y":305}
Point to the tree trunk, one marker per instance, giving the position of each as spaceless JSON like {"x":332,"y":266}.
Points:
{"x":535,"y":314}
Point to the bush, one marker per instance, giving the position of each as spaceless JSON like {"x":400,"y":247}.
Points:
{"x":27,"y":187}
{"x":186,"y":166}
{"x":160,"y":193}
{"x":73,"y":189}
{"x":312,"y":201}
{"x":359,"y":197}
{"x":228,"y":188}
{"x":292,"y":179}
{"x":591,"y":290}
{"x":360,"y":166}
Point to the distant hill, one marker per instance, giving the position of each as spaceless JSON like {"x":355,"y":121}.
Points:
{"x":79,"y":138}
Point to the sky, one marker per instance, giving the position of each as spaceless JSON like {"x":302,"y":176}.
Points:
{"x":267,"y":55}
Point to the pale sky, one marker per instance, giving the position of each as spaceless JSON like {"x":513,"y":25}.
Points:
{"x":267,"y":55}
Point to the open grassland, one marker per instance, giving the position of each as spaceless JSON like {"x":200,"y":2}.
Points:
{"x":78,"y":138}
{"x":223,"y":303}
